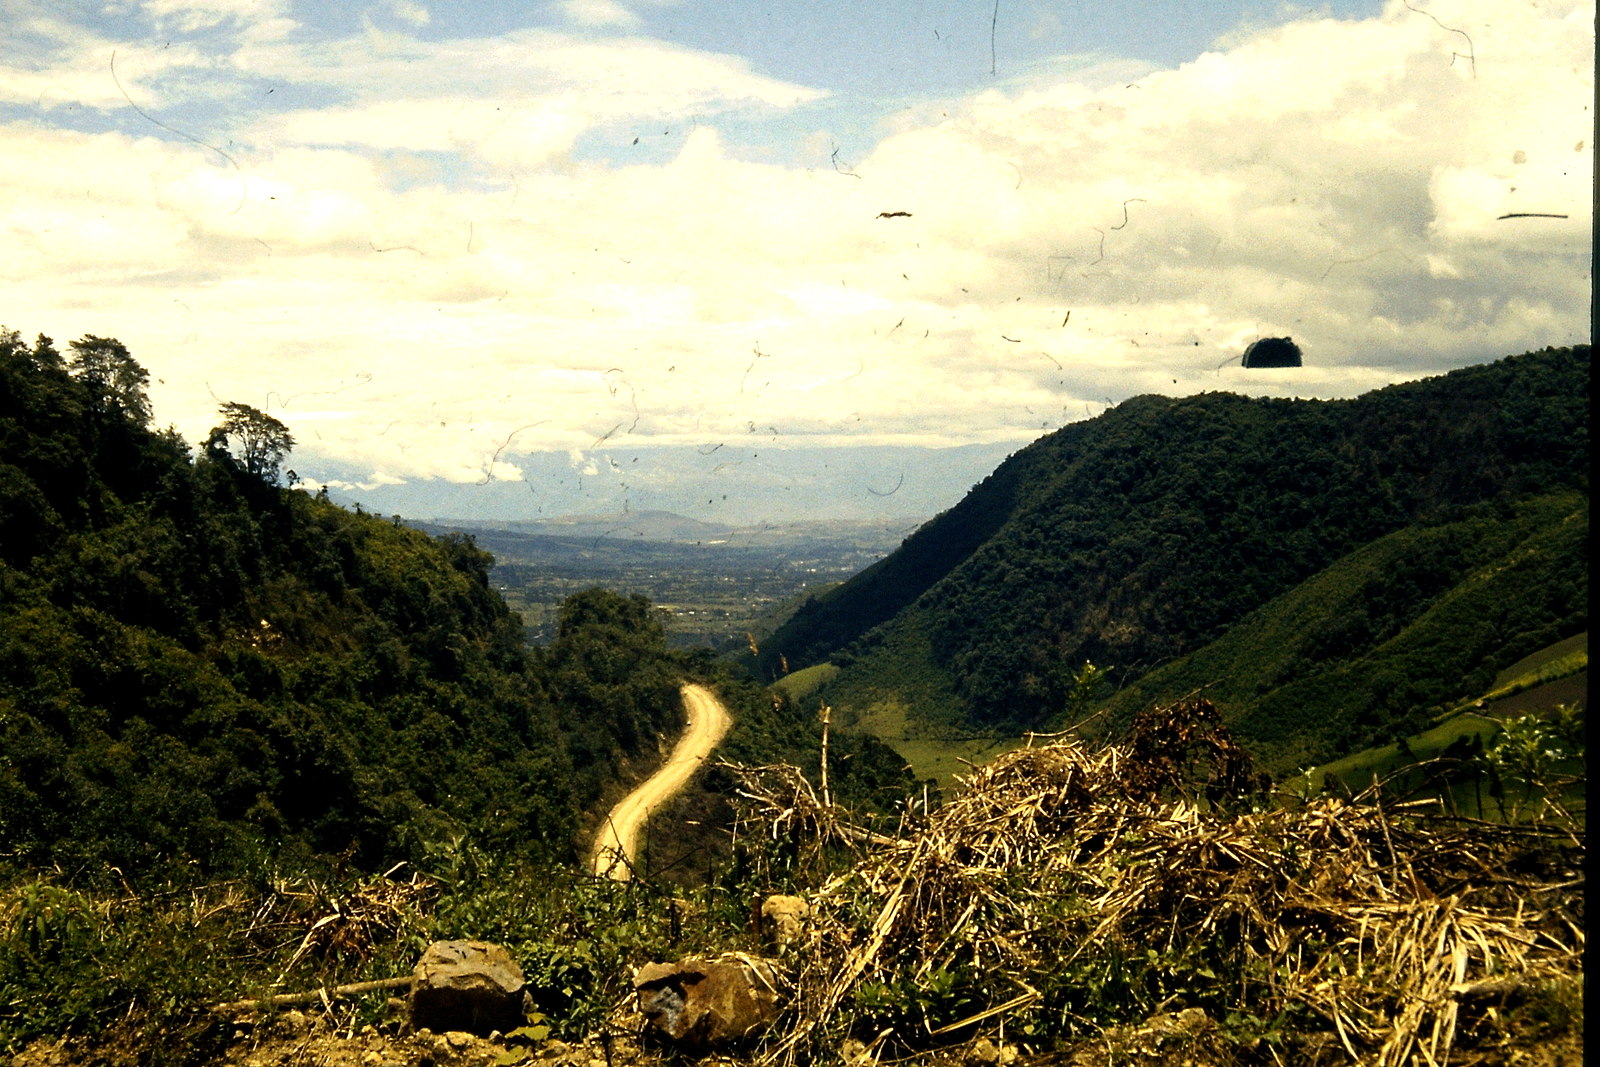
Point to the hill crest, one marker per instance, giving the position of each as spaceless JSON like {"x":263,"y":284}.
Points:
{"x":1134,"y":539}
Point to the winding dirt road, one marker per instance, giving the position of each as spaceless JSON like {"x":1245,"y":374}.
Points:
{"x":617,"y":844}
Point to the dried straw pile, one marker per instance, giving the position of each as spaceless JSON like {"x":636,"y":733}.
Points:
{"x":1067,"y":889}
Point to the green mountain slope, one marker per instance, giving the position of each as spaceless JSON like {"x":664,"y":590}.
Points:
{"x":1137,"y":538}
{"x":201,"y":666}
{"x":1390,"y":636}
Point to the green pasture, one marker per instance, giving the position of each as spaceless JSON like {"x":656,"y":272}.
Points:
{"x":1556,"y":676}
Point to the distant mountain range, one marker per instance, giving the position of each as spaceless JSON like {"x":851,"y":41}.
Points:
{"x":1142,"y":538}
{"x":670,"y":528}
{"x":739,"y":483}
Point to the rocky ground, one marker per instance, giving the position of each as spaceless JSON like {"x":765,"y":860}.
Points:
{"x":1181,"y":1039}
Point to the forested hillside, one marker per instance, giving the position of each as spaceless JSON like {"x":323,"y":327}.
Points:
{"x":1392,"y":636}
{"x":1136,"y":538}
{"x":202,"y":665}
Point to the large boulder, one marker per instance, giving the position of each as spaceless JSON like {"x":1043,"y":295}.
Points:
{"x":471,"y":986}
{"x":701,"y":1005}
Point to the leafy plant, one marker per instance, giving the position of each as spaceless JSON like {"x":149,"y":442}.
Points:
{"x":915,"y":1008}
{"x":524,"y":1043}
{"x":1534,"y":758}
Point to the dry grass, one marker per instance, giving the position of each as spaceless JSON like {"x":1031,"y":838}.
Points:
{"x":1065,"y":877}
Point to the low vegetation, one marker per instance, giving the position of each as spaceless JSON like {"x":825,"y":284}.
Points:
{"x":1534,"y":708}
{"x":1072,"y":892}
{"x":1143,"y":897}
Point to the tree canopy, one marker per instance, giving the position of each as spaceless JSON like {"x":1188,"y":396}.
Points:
{"x":255,"y":439}
{"x":202,"y":669}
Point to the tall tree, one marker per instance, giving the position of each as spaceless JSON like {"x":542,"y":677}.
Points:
{"x":252,"y":438}
{"x":105,"y":364}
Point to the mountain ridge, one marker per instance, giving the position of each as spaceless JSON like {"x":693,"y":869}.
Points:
{"x":1136,"y":538}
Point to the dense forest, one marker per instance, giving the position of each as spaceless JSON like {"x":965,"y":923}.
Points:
{"x":1137,"y":538}
{"x":202,"y":664}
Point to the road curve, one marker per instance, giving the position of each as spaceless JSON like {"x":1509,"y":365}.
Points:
{"x":616,"y":846}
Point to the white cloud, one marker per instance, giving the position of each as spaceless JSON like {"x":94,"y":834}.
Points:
{"x":409,"y":12}
{"x":424,"y":271}
{"x":53,"y":65}
{"x":189,"y":16}
{"x":606,"y":13}
{"x":598,"y":13}
{"x":516,"y":102}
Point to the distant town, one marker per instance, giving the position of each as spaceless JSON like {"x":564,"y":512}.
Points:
{"x":718,"y":587}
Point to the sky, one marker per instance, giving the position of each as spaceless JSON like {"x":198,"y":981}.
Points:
{"x":522,"y":259}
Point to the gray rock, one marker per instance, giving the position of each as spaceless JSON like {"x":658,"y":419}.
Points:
{"x":469,"y":986}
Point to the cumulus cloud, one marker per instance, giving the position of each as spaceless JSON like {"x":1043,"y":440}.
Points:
{"x":598,"y":13}
{"x":406,"y":11}
{"x":187,"y":16}
{"x":51,"y":64}
{"x":247,"y":20}
{"x":419,"y":266}
{"x":514,"y":102}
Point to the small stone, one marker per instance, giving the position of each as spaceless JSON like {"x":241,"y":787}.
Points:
{"x":984,"y":1051}
{"x":783,"y":920}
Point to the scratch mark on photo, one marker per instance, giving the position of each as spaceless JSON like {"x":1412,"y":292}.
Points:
{"x":1471,"y":57}
{"x":889,"y":492}
{"x":488,"y":470}
{"x":760,"y":355}
{"x":244,"y":184}
{"x":1349,"y":262}
{"x":1125,"y":203}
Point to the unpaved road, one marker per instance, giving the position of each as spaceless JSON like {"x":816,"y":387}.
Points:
{"x":617,"y":844}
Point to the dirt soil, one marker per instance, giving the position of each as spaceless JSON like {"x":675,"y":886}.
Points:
{"x":1180,"y":1039}
{"x":617,"y":843}
{"x":294,"y":1039}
